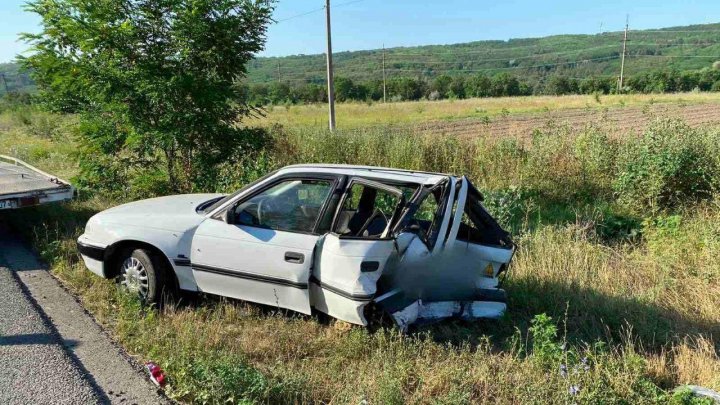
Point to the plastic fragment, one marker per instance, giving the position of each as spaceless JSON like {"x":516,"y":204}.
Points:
{"x":157,"y":375}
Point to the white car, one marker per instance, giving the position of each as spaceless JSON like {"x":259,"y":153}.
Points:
{"x":417,"y":246}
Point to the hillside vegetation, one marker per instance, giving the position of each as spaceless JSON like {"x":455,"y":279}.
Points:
{"x":614,"y":291}
{"x":675,"y":48}
{"x":662,"y":60}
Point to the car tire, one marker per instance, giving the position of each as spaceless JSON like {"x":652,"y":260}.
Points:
{"x":143,"y":273}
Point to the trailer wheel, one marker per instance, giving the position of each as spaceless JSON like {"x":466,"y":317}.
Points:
{"x":143,"y":273}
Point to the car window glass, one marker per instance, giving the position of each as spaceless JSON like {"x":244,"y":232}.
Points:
{"x":427,"y":214}
{"x":292,"y":205}
{"x":225,"y":199}
{"x":366,"y":211}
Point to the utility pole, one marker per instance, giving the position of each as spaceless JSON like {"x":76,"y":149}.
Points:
{"x":330,"y":81}
{"x":384,"y":86}
{"x":5,"y":83}
{"x":622,"y":62}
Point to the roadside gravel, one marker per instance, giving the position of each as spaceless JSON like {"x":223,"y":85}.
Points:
{"x":51,"y":349}
{"x":36,"y":368}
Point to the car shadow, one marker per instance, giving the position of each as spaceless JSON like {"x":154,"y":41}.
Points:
{"x":585,"y":314}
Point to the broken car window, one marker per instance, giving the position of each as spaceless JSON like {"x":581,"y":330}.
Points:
{"x":291,"y":205}
{"x":427,"y":219}
{"x":478,"y":226}
{"x":366,"y":212}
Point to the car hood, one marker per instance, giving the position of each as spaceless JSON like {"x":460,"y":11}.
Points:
{"x":175,"y":213}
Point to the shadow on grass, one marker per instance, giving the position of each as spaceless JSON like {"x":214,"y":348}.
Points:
{"x":586,"y":314}
{"x":63,"y":220}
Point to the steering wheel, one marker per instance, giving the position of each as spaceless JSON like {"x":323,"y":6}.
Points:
{"x":266,"y":205}
{"x":370,"y":220}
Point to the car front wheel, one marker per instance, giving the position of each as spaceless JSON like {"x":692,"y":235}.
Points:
{"x":143,"y":274}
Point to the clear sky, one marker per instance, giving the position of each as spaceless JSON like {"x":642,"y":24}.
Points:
{"x":367,"y":24}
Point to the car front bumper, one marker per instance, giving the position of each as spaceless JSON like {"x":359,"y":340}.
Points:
{"x":93,"y":255}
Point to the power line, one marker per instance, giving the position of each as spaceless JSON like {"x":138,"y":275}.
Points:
{"x":317,"y":10}
{"x":673,"y":31}
{"x":395,"y":59}
{"x":314,"y":75}
{"x":318,"y":72}
{"x":532,"y":67}
{"x":299,"y":15}
{"x":646,"y":44}
{"x":674,"y":56}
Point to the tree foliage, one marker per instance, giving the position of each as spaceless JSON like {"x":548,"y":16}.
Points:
{"x":154,"y":81}
{"x":481,"y":85}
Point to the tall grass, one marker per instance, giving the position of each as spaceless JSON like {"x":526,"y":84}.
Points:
{"x":614,"y":291}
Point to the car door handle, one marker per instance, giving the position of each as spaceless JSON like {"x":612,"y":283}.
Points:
{"x":366,"y":267}
{"x":294,"y":257}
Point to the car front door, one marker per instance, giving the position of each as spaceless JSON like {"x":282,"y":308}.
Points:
{"x":260,"y":248}
{"x":351,"y":258}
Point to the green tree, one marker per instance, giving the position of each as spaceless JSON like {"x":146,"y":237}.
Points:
{"x":344,"y":89}
{"x":504,"y":84}
{"x":279,"y":93}
{"x":478,"y":86}
{"x":441,"y":84}
{"x":560,"y":85}
{"x":406,"y":88}
{"x":457,"y":87}
{"x":154,"y":81}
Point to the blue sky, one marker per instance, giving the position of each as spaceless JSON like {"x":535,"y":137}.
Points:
{"x":367,"y":24}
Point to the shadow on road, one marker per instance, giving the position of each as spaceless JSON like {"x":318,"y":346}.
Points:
{"x":35,"y":339}
{"x":15,"y":258}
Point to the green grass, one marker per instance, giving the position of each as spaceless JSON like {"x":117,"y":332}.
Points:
{"x":632,"y":288}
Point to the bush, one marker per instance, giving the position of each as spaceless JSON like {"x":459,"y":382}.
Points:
{"x":670,"y":164}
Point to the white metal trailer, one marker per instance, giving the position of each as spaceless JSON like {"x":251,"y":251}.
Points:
{"x":22,"y":185}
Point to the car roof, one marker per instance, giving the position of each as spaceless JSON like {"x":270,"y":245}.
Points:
{"x":372,"y":172}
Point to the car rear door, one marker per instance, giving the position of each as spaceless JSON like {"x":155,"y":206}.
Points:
{"x":264,"y":253}
{"x":476,"y":244}
{"x":350,"y":259}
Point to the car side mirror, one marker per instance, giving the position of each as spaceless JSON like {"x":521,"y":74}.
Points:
{"x":227,"y":216}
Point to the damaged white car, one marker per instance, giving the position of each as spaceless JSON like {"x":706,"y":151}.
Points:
{"x":344,"y":240}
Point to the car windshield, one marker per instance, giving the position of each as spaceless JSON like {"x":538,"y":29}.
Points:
{"x":215,"y":203}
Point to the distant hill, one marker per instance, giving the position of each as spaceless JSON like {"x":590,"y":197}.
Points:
{"x":578,"y":56}
{"x":532,"y":59}
{"x":15,"y":80}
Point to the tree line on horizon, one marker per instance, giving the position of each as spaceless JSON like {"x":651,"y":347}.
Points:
{"x":443,"y":86}
{"x":480,"y":85}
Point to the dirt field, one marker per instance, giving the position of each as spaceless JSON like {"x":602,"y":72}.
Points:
{"x":619,"y":121}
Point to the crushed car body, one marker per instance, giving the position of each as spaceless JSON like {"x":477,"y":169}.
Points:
{"x":343,"y":240}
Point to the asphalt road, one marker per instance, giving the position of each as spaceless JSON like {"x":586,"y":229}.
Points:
{"x":51,"y":350}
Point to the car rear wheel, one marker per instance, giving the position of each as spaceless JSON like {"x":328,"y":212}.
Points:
{"x":144,"y":274}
